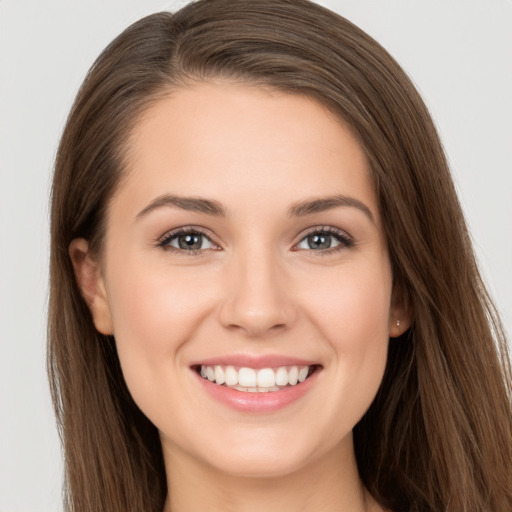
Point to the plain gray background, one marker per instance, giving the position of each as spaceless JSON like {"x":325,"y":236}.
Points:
{"x":458,"y":52}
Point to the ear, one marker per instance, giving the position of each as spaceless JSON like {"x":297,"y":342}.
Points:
{"x":91,"y":285}
{"x":400,"y":314}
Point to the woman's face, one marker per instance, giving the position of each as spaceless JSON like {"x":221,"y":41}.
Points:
{"x":245,"y":241}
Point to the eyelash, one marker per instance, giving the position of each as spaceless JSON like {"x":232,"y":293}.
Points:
{"x":166,"y":239}
{"x":345,"y":241}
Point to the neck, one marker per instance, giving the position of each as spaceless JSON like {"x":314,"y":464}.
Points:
{"x":330,"y":484}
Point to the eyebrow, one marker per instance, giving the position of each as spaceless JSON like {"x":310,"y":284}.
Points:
{"x":323,"y":204}
{"x":192,"y":204}
{"x":212,"y":207}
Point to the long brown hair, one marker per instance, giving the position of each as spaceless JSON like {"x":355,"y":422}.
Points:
{"x":438,"y":436}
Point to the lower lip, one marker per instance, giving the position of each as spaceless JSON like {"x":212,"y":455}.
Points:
{"x":269,"y":401}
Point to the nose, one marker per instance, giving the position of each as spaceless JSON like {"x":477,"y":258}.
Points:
{"x":257,"y":299}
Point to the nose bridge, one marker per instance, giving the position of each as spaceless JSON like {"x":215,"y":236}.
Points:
{"x":256,"y":297}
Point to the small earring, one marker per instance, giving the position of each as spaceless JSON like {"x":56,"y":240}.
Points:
{"x":398,"y":323}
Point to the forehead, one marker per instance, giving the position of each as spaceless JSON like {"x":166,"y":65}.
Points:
{"x":231,"y":141}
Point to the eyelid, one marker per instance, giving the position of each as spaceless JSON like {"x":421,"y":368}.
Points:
{"x":345,"y":239}
{"x":163,"y":240}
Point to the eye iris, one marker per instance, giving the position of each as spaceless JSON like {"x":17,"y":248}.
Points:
{"x":190,"y":242}
{"x":319,"y":241}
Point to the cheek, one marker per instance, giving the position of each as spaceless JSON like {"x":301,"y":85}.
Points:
{"x":154,"y":312}
{"x":351,"y":305}
{"x":155,"y":302}
{"x":352,"y":314}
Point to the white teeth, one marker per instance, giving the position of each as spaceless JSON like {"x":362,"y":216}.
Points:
{"x":247,"y":377}
{"x":266,"y":378}
{"x":231,"y":376}
{"x":219,"y":375}
{"x":303,"y":374}
{"x":293,"y":376}
{"x":259,"y":390}
{"x":210,"y":373}
{"x":282,"y":377}
{"x":255,"y":381}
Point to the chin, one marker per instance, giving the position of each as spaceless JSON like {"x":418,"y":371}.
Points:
{"x":260,"y":466}
{"x":272,"y":458}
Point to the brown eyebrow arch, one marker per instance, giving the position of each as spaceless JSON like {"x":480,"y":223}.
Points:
{"x":193,"y":204}
{"x":327,"y":203}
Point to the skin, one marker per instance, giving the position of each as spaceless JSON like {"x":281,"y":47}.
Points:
{"x":256,"y":287}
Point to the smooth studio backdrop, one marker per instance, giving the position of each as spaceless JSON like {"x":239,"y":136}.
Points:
{"x":458,"y":53}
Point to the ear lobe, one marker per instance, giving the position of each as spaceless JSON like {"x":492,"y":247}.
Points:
{"x":400,"y":314}
{"x":91,"y":285}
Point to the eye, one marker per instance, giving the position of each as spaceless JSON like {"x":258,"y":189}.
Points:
{"x":187,"y":240}
{"x":324,"y":240}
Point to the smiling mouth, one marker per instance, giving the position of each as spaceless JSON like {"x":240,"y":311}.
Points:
{"x":253,"y":380}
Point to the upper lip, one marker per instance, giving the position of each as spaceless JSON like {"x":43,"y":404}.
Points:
{"x":254,"y":361}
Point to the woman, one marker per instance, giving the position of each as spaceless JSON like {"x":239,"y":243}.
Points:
{"x":263,"y":292}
